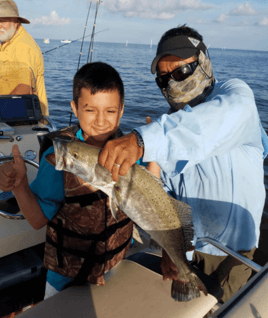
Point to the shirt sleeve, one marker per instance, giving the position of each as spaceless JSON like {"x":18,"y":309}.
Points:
{"x":32,"y":55}
{"x":228,"y":119}
{"x":48,"y":187}
{"x":41,"y":92}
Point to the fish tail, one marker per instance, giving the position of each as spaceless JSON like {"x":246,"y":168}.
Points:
{"x":187,"y":288}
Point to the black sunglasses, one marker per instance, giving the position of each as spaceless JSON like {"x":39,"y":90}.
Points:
{"x":179,"y":74}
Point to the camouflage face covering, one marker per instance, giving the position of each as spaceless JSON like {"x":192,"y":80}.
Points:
{"x":194,"y":89}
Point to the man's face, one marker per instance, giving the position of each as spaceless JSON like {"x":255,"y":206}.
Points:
{"x":8,"y":27}
{"x":169,"y":63}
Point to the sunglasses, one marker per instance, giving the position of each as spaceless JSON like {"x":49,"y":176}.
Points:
{"x":179,"y":74}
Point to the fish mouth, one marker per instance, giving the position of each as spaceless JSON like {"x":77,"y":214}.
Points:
{"x":60,"y":148}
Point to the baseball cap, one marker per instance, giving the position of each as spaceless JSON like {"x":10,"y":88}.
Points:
{"x":179,"y":45}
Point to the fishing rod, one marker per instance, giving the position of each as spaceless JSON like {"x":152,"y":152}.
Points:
{"x":84,"y":36}
{"x":90,"y":50}
{"x":91,"y":42}
{"x":73,"y":41}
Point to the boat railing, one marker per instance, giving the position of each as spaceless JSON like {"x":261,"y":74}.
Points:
{"x":232,"y":253}
{"x":11,"y":197}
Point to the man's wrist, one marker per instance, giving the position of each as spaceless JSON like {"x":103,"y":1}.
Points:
{"x":139,"y":138}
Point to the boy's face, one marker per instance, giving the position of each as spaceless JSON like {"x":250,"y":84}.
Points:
{"x":99,"y":115}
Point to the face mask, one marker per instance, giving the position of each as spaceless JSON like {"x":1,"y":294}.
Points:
{"x":194,"y":89}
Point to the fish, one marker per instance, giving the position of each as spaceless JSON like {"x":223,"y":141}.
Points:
{"x":142,"y":198}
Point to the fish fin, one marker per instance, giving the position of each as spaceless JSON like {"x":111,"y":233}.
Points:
{"x":51,"y":159}
{"x":139,"y":234}
{"x":148,"y":244}
{"x":185,"y":215}
{"x":113,"y":208}
{"x":188,"y":287}
{"x":159,"y":181}
{"x":117,"y":194}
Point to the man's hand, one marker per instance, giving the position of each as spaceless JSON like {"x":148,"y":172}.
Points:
{"x":120,"y":154}
{"x":148,"y":120}
{"x":169,"y":269}
{"x":12,"y":174}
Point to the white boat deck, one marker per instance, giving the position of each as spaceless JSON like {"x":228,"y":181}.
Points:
{"x":131,"y":290}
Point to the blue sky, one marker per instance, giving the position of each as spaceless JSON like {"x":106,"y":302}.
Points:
{"x":232,"y":24}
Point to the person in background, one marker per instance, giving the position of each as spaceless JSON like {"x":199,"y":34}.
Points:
{"x":21,"y":60}
{"x":210,"y":148}
{"x":93,"y":241}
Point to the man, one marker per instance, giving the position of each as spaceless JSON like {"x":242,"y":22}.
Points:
{"x":21,"y":60}
{"x":210,"y":148}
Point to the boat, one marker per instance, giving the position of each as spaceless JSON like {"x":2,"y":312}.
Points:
{"x":134,"y":287}
{"x":22,"y":275}
{"x":66,"y":41}
{"x":46,"y":40}
{"x":21,"y":123}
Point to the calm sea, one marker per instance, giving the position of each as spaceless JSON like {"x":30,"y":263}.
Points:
{"x":143,"y":98}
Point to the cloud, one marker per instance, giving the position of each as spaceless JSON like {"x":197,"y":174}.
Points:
{"x":53,"y":19}
{"x":222,"y":18}
{"x":241,"y":10}
{"x":200,"y":21}
{"x":245,"y":9}
{"x":243,"y":23}
{"x":153,"y":9}
{"x":264,"y":21}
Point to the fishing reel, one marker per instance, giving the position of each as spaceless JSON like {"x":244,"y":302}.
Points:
{"x":8,"y":203}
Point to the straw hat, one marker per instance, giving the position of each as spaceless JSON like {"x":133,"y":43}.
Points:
{"x":9,"y":9}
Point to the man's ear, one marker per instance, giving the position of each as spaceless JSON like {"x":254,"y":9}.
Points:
{"x":122,"y":110}
{"x":73,"y":105}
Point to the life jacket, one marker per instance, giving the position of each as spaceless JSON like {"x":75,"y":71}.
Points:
{"x":83,"y":240}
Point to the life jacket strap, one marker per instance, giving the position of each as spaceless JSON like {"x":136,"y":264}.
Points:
{"x":60,"y":244}
{"x":86,"y":199}
{"x":103,"y":236}
{"x":91,"y":260}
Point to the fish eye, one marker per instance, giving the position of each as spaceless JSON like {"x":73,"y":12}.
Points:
{"x":75,"y":154}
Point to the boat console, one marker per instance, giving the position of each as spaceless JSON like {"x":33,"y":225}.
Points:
{"x":22,"y":124}
{"x":20,"y":109}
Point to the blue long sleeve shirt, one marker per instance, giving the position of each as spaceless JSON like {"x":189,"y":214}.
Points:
{"x":211,"y":157}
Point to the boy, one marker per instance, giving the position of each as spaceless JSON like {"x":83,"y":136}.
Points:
{"x":83,"y":239}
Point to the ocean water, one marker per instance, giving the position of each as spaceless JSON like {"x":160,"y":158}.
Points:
{"x":142,"y":96}
{"x":133,"y":62}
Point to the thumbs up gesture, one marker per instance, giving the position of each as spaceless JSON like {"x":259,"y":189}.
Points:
{"x":13,"y":174}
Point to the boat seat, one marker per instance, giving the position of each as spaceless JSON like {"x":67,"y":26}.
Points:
{"x":152,"y":262}
{"x":250,"y":301}
{"x":130,"y":290}
{"x":9,"y":205}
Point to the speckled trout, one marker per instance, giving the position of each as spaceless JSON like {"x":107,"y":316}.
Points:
{"x":142,"y":197}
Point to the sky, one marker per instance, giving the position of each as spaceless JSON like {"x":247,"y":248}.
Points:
{"x":223,"y":24}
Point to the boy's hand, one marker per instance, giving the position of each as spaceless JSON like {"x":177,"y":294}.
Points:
{"x":120,"y":154}
{"x":13,"y":173}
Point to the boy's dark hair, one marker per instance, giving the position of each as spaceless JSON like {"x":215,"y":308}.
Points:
{"x":97,"y":77}
{"x":181,"y":30}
